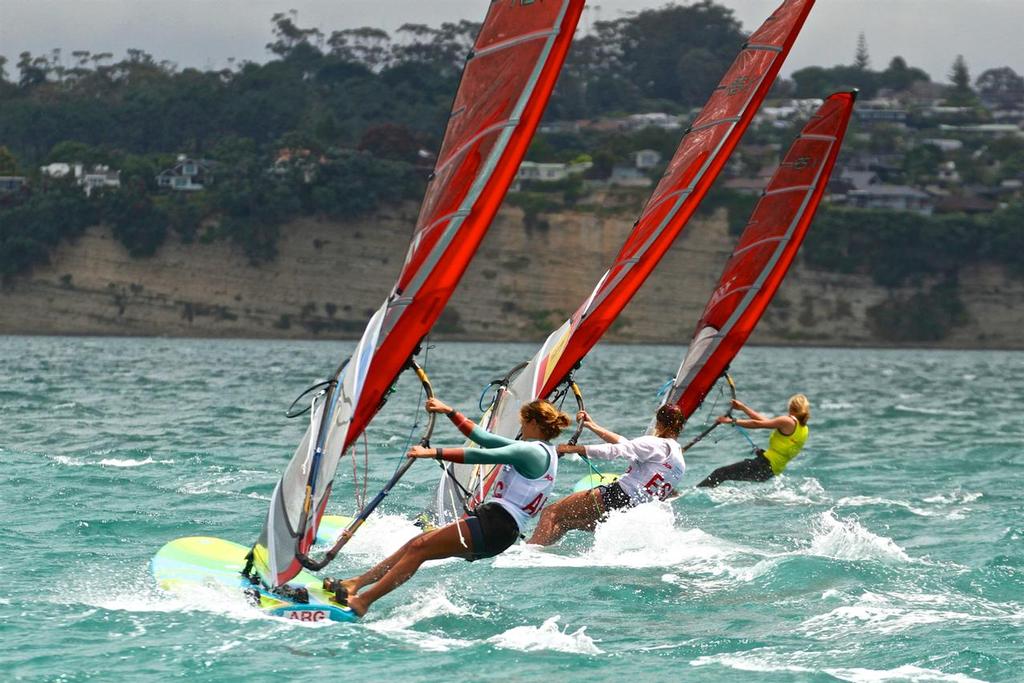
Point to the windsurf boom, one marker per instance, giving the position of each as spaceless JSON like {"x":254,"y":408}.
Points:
{"x":700,"y":157}
{"x":763,"y":254}
{"x":507,"y":81}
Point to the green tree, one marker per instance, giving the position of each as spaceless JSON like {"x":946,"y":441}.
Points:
{"x":8,"y":162}
{"x":1002,"y":87}
{"x":861,"y":59}
{"x":901,"y":77}
{"x":960,"y":94}
{"x":135,"y":220}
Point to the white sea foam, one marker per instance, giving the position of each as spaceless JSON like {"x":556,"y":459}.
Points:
{"x":131,"y":462}
{"x":380,"y":536}
{"x":837,"y":405}
{"x":761,"y":660}
{"x":224,"y":647}
{"x":943,"y":412}
{"x":431,"y":603}
{"x":846,"y":539}
{"x":765,"y":660}
{"x":868,"y":501}
{"x":780,"y":490}
{"x":907,"y":672}
{"x":193,"y":597}
{"x":894,"y":612}
{"x":955,"y":497}
{"x":547,"y":636}
{"x":65,"y":460}
{"x":949,"y":506}
{"x":644,"y":536}
{"x":108,"y":462}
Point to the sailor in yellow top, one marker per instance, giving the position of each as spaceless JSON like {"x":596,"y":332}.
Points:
{"x":789,"y":433}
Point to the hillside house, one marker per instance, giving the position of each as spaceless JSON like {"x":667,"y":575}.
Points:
{"x":537,"y":172}
{"x":994,"y":130}
{"x":947,"y":145}
{"x":894,"y":197}
{"x":89,"y":178}
{"x":646,"y":159}
{"x":881,"y":111}
{"x":11,"y":184}
{"x":187,"y":175}
{"x":947,"y":173}
{"x":651,"y":120}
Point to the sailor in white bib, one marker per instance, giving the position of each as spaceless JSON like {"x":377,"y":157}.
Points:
{"x":656,"y":467}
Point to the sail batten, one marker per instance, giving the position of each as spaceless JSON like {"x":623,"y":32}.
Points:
{"x":505,"y":86}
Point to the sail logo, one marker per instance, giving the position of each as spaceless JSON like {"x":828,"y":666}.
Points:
{"x":740,"y":85}
{"x":800,"y":163}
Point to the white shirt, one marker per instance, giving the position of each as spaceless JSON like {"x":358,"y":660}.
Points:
{"x":656,"y":465}
{"x":521,"y":497}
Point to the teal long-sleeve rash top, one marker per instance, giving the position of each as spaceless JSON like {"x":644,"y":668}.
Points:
{"x":529,"y":459}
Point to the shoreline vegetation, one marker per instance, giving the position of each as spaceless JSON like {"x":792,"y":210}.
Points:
{"x":338,"y":127}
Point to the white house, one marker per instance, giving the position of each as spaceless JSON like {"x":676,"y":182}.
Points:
{"x":896,"y":197}
{"x":629,"y":176}
{"x":991,"y":129}
{"x":944,"y":144}
{"x":187,"y":175}
{"x":537,"y":172}
{"x":947,"y":173}
{"x":655,"y":119}
{"x":88,"y":178}
{"x":646,"y":159}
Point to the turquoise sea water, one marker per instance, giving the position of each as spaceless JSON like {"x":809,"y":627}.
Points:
{"x":892,"y":549}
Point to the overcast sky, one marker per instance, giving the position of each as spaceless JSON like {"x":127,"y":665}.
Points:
{"x":205,"y":33}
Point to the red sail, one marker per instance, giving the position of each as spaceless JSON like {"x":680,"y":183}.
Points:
{"x":764,"y":253}
{"x":505,"y":88}
{"x":700,"y":157}
{"x":506,"y":84}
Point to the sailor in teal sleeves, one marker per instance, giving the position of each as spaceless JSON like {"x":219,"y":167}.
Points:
{"x":527,"y":475}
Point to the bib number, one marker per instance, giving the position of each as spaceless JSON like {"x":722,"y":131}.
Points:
{"x":658,"y":488}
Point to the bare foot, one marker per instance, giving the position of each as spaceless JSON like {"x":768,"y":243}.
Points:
{"x":357,"y":604}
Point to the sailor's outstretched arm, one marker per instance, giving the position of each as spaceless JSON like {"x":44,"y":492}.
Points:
{"x":782,"y":422}
{"x":610,"y":451}
{"x":529,"y":460}
{"x":753,"y":414}
{"x":469,"y":429}
{"x":605,"y":435}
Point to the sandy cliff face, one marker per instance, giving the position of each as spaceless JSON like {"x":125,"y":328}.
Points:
{"x":329,"y":277}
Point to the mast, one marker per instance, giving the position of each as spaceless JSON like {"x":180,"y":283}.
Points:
{"x":507,"y":81}
{"x":702,"y":153}
{"x":763,"y":254}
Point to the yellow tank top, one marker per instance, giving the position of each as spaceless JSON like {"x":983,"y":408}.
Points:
{"x":781,"y":448}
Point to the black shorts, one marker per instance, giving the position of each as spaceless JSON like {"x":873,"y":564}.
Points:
{"x":613,"y":497}
{"x":492,"y":530}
